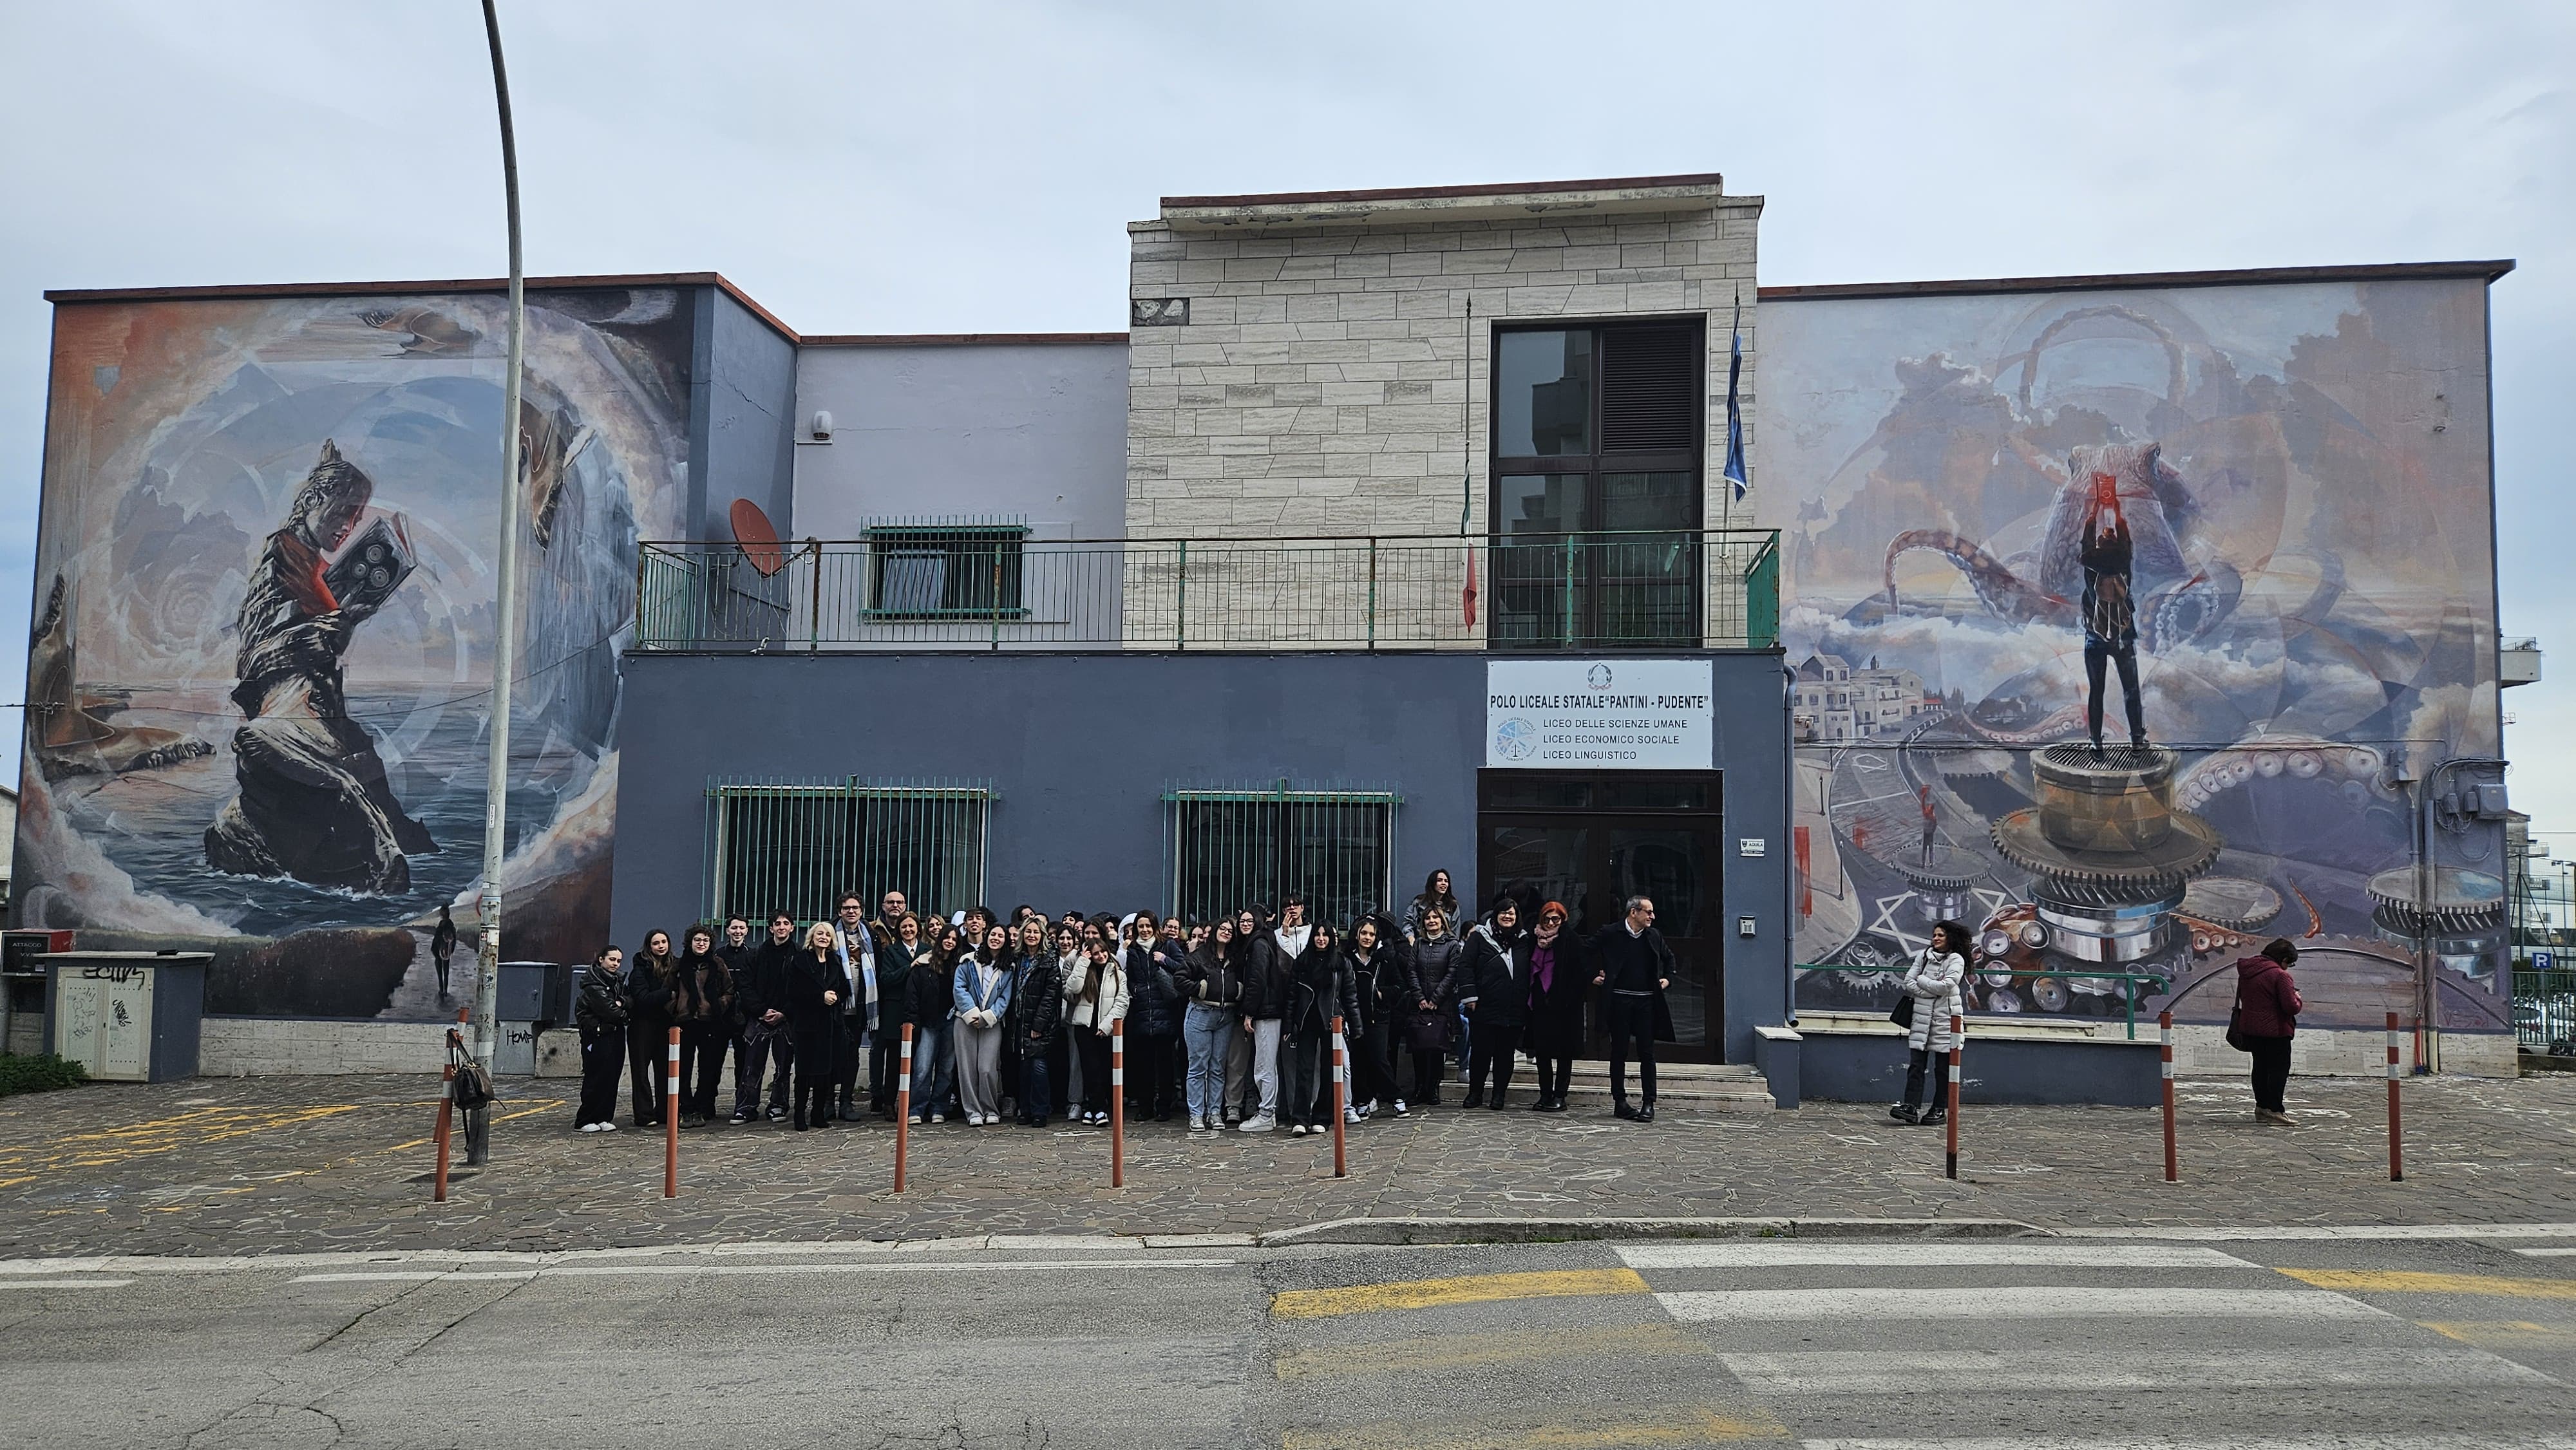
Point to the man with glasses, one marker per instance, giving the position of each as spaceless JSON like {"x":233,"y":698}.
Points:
{"x":1635,"y":966}
{"x":856,"y":1035}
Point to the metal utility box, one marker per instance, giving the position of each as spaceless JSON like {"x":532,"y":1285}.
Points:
{"x":532,"y":997}
{"x":126,"y":1016}
{"x":526,"y":992}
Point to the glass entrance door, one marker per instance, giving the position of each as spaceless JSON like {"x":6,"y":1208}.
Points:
{"x":1589,"y":842}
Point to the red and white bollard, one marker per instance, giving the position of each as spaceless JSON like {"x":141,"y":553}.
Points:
{"x":1342,"y":1097}
{"x":903,"y":1109}
{"x":1118,"y":1102}
{"x":2164,"y":1051}
{"x":2396,"y":1160}
{"x":446,"y":1114}
{"x":671,"y":1119}
{"x":1955,"y":1030}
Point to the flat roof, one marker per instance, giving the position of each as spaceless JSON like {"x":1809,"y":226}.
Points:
{"x":257,"y":290}
{"x":2099,"y":282}
{"x":1428,"y":193}
{"x":961,"y":339}
{"x":1437,"y":205}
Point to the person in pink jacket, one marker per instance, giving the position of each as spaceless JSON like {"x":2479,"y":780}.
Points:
{"x":2267,"y":1016}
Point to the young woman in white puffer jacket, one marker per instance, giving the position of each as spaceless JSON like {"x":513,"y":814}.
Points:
{"x":1933,"y":982}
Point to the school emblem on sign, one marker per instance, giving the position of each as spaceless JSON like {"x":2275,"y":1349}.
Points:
{"x":1599,"y":678}
{"x":1515,"y":739}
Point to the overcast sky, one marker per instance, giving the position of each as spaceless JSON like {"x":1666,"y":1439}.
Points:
{"x":961,"y":167}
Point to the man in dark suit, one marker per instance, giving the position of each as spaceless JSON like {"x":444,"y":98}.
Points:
{"x":1634,"y":966}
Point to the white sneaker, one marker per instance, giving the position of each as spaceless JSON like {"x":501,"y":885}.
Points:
{"x":590,"y":1127}
{"x":1261,"y":1124}
{"x":1400,"y":1109}
{"x":608,"y":1127}
{"x":974,"y":1120}
{"x":1352,"y":1115}
{"x":939,"y":1117}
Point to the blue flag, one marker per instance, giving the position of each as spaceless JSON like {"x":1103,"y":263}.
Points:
{"x":1734,"y":411}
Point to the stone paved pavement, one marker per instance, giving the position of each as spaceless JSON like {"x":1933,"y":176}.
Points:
{"x":268,"y":1165}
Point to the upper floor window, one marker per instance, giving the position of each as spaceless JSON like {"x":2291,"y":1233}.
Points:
{"x":1597,"y":490}
{"x":944,"y":571}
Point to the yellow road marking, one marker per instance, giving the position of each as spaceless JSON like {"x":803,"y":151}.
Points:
{"x":1456,"y":1351}
{"x":2396,"y":1281}
{"x":2502,"y":1333}
{"x":1469,"y":1289}
{"x":1690,"y":1427}
{"x":112,"y":1146}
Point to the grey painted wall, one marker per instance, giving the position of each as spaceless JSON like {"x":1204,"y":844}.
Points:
{"x":1081,"y":747}
{"x":1857,"y":1067}
{"x":1037,"y":431}
{"x":742,"y":405}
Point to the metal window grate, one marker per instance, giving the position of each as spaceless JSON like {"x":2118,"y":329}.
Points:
{"x":794,"y":846}
{"x":1229,"y":849}
{"x":946,"y":569}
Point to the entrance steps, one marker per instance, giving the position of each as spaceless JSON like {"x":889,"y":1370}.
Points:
{"x":1706,"y":1087}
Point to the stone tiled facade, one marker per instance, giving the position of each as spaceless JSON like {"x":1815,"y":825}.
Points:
{"x":1331,"y":379}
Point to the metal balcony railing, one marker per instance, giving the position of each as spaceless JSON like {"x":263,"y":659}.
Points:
{"x":997,"y":590}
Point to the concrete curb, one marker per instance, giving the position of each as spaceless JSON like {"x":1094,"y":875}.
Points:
{"x":1546,"y":1230}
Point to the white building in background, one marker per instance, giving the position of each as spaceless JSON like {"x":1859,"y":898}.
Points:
{"x":1833,"y":703}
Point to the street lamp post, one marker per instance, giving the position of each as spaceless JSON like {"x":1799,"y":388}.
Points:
{"x":505,"y":640}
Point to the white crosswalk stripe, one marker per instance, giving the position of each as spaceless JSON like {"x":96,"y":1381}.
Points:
{"x":2257,"y":1442}
{"x":1875,"y":1372}
{"x":1933,"y":1253}
{"x":1698,"y":1306}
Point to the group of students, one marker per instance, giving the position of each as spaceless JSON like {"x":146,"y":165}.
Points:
{"x":1228,"y":1020}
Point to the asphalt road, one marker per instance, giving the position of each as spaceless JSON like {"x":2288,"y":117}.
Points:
{"x":1962,"y":1344}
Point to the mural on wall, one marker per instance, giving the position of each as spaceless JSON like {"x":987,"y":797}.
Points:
{"x":262,"y":659}
{"x":2116,"y":617}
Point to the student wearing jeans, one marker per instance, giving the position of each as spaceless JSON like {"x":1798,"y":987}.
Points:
{"x":1212,"y":979}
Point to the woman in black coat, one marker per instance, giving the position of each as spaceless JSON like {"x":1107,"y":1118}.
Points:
{"x":1436,"y":959}
{"x":1319,"y":989}
{"x":814,"y":983}
{"x":600,"y":1012}
{"x":1380,"y":984}
{"x":1560,"y":978}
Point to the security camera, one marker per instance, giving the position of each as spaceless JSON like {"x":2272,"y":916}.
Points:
{"x":822,"y":428}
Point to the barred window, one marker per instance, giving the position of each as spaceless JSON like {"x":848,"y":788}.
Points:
{"x":945,"y":570}
{"x":794,"y":846}
{"x":1235,"y":848}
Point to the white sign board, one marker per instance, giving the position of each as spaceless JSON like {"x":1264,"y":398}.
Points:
{"x":1599,"y":714}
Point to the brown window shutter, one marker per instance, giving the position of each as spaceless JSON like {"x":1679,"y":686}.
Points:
{"x":1650,"y":393}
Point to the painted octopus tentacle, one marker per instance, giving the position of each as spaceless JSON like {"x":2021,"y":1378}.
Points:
{"x":1998,"y":589}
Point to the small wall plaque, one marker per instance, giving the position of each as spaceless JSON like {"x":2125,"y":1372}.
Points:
{"x":1158,"y":311}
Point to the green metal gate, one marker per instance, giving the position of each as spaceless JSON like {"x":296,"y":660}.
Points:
{"x":1231,"y":848}
{"x":795,"y":846}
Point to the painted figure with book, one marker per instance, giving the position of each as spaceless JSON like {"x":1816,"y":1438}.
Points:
{"x":314,"y":803}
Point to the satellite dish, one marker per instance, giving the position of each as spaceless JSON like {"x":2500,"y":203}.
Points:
{"x":758,"y":540}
